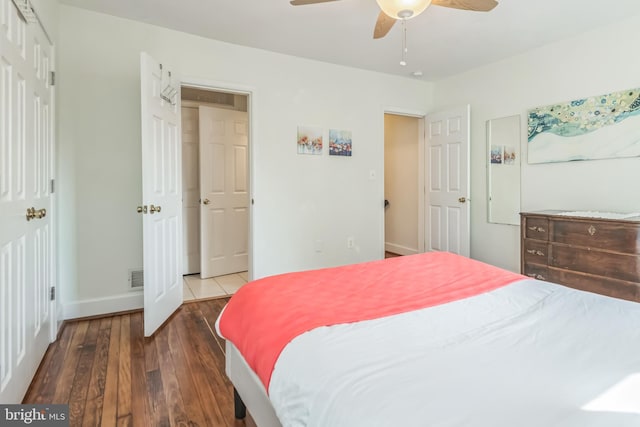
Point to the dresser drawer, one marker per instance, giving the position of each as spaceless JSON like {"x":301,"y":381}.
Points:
{"x":536,"y":271}
{"x":601,"y":285}
{"x":606,"y":264}
{"x":535,"y":252}
{"x":616,"y":237}
{"x":536,"y":228}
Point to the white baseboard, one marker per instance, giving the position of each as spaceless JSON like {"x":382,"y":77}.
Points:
{"x":399,"y":249}
{"x":106,"y":305}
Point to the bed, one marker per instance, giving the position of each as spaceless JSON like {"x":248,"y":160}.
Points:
{"x":432,"y":339}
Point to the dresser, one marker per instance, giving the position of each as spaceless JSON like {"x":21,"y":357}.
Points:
{"x":593,"y":254}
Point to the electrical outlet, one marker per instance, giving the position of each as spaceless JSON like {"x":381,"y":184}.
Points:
{"x":350,"y":242}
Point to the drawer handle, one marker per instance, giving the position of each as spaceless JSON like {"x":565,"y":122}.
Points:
{"x":538,"y":229}
{"x":536,"y":276}
{"x":535,"y":252}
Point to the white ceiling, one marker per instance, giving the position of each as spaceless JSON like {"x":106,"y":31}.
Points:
{"x":441,"y":41}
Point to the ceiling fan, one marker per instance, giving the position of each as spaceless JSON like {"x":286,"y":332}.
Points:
{"x":394,"y":10}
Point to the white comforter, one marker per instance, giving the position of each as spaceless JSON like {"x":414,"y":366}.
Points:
{"x":531,"y":354}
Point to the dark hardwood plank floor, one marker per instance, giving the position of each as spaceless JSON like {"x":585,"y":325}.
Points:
{"x":110,"y":375}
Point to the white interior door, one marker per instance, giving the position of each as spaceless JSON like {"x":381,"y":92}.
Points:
{"x":447,"y":211}
{"x":26,"y":235}
{"x":161,"y":192}
{"x":190,"y":191}
{"x":224,"y":188}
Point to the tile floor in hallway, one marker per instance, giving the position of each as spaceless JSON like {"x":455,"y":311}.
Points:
{"x":221,"y":286}
{"x":196,"y":288}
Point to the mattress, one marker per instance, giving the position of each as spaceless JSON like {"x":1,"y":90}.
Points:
{"x":531,"y":354}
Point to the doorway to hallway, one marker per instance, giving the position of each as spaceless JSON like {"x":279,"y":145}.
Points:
{"x":403,"y":183}
{"x":215,"y":171}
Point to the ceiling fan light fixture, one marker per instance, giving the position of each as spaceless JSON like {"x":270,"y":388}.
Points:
{"x":403,"y":9}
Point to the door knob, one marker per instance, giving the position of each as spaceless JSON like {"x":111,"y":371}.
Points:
{"x":153,"y":209}
{"x":31,"y":213}
{"x":206,"y":201}
{"x":462,"y":199}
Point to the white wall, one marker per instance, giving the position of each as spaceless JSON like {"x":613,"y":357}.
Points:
{"x":401,"y":183}
{"x":298,"y":199}
{"x":594,"y":63}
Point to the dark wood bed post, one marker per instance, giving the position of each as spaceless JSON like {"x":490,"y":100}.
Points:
{"x":238,"y":404}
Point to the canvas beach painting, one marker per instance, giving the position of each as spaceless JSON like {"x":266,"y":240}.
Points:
{"x":309,"y":140}
{"x":600,"y":127}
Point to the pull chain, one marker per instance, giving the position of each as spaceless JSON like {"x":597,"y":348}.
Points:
{"x":403,"y":62}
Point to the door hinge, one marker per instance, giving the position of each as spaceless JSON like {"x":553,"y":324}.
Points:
{"x":53,"y":186}
{"x":52,"y":294}
{"x":52,"y":80}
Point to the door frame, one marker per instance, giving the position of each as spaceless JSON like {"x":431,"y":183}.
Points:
{"x":250,"y":93}
{"x":421,"y":115}
{"x":57,"y":315}
{"x":192,"y":105}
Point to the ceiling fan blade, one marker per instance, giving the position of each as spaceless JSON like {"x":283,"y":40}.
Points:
{"x":383,"y":25}
{"x":476,"y":5}
{"x":305,"y":2}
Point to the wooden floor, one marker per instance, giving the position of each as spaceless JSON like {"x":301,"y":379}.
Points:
{"x":111,"y":376}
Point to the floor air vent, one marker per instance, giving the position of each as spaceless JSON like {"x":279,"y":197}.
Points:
{"x":136,"y":279}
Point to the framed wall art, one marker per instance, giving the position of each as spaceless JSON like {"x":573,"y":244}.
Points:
{"x":600,"y":127}
{"x":340,"y":143}
{"x":309,"y":140}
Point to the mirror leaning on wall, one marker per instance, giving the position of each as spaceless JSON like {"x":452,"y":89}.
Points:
{"x":503,"y":170}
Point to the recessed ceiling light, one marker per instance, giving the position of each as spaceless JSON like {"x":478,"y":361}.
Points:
{"x":417,"y":74}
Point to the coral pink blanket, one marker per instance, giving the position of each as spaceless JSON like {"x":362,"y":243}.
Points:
{"x":266,"y":314}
